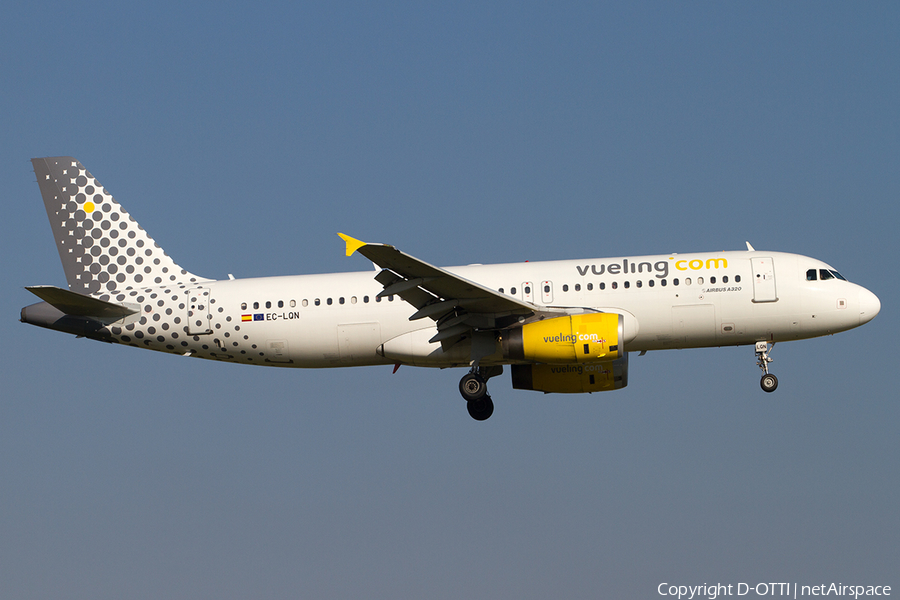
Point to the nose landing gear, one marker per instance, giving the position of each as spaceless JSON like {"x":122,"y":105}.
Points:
{"x":473,"y":388}
{"x":768,"y":382}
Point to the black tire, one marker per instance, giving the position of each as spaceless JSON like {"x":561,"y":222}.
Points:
{"x":473,"y":387}
{"x":481,"y":410}
{"x":768,"y":383}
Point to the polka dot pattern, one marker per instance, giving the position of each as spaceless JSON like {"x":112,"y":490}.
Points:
{"x":103,"y":249}
{"x":107,"y":255}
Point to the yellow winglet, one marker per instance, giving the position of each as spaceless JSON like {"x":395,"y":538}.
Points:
{"x":353,"y":244}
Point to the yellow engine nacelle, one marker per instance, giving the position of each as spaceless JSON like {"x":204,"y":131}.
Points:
{"x":590,"y":337}
{"x":572,"y":379}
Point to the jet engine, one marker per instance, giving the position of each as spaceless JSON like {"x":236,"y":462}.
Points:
{"x":572,"y":339}
{"x":574,"y":354}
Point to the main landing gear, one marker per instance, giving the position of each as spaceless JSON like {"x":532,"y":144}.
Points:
{"x":473,"y":388}
{"x":768,"y":382}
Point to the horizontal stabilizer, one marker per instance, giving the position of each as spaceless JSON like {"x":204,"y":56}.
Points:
{"x":79,"y":305}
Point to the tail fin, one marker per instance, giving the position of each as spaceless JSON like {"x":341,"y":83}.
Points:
{"x":101,"y":246}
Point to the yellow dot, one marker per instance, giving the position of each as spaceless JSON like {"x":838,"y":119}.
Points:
{"x":88,"y":207}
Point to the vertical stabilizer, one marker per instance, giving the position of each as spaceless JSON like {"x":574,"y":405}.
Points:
{"x":101,"y":246}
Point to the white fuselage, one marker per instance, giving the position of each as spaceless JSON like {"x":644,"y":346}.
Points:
{"x":336,"y":320}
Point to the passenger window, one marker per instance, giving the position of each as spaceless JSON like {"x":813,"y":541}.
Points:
{"x":365,"y":299}
{"x":712,"y":280}
{"x":590,"y":286}
{"x":627,"y":285}
{"x":675,"y":281}
{"x":243,"y":306}
{"x":811,"y":275}
{"x":825,"y":274}
{"x":687,"y":281}
{"x":293,"y":303}
{"x":737,"y":278}
{"x":638,"y":283}
{"x":317,"y":302}
{"x":352,"y":299}
{"x":512,"y":291}
{"x":328,"y":301}
{"x":527,"y":289}
{"x":341,"y":300}
{"x":565,"y":287}
{"x":602,"y":286}
{"x":614,"y":285}
{"x":377,"y":298}
{"x":305,"y":303}
{"x":255,"y":305}
{"x":699,"y":281}
{"x":391,"y":298}
{"x":725,"y":279}
{"x":577,"y":287}
{"x":281,"y":304}
{"x":500,"y":290}
{"x":651,"y":283}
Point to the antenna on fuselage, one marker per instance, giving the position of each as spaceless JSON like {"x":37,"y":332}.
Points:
{"x":750,"y":248}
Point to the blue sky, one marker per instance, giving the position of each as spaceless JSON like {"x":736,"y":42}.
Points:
{"x":242,"y":137}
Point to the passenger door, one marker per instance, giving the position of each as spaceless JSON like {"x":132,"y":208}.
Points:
{"x":198,"y":316}
{"x":764,"y":280}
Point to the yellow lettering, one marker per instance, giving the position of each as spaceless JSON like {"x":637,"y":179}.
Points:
{"x":697,"y":264}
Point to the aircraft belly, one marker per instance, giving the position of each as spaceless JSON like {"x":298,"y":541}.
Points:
{"x":414,"y":348}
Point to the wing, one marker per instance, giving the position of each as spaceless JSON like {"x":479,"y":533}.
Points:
{"x":456,"y":304}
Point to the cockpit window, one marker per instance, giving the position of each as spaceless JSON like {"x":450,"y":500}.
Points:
{"x":824,"y":274}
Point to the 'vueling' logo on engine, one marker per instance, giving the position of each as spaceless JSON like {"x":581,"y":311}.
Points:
{"x":574,"y":337}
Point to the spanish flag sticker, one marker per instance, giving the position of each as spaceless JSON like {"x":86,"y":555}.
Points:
{"x":246,"y":317}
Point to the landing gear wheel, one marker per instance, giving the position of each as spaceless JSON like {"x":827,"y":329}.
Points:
{"x":473,"y":387}
{"x":768,"y":382}
{"x":481,"y":410}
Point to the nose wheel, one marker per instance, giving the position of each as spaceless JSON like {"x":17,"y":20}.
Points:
{"x":768,"y":382}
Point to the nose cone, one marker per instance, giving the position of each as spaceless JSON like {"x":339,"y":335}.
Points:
{"x":869,"y":306}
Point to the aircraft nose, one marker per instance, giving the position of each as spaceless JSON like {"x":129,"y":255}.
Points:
{"x":869,"y":306}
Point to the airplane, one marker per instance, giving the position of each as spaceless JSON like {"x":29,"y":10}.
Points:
{"x":564,"y":326}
